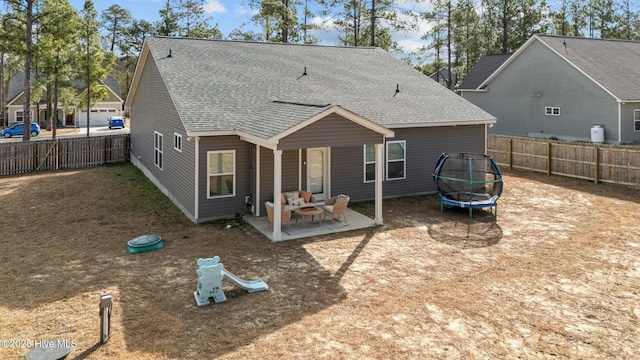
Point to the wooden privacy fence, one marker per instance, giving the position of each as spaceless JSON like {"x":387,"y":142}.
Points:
{"x":616,"y":164}
{"x":63,"y":153}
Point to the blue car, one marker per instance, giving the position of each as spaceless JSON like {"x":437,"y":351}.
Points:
{"x":116,"y":121}
{"x":18,"y":129}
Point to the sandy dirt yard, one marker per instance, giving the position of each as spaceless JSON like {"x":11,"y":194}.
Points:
{"x":555,"y":276}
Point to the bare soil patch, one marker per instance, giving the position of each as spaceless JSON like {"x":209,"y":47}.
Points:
{"x":556,"y":275}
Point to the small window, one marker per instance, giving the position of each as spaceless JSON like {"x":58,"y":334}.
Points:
{"x":552,"y":111}
{"x":369,"y":163}
{"x":112,"y":110}
{"x":396,"y":160}
{"x":157,"y":149}
{"x":20,"y":115}
{"x":221,"y":167}
{"x":177,"y":142}
{"x":636,"y":120}
{"x":95,"y":111}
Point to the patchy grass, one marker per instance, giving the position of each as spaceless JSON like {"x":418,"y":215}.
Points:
{"x":557,"y":275}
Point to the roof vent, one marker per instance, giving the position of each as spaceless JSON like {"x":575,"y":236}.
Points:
{"x":305,"y":71}
{"x":397,"y":89}
{"x":169,"y":53}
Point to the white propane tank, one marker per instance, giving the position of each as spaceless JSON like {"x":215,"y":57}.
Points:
{"x":597,"y":134}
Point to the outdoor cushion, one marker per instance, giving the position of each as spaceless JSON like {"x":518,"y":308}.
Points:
{"x":306,"y":195}
{"x":295,"y":202}
{"x":340,"y":198}
{"x":283,"y":199}
{"x":292,"y":195}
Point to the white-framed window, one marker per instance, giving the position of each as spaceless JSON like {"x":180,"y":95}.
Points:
{"x":20,"y":115}
{"x":221,"y":173}
{"x":396,"y":160}
{"x":369,"y":163}
{"x":177,"y":141}
{"x":552,"y":111}
{"x":157,"y":149}
{"x":636,"y":119}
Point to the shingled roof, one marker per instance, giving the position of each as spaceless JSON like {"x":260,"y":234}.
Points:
{"x":612,"y":64}
{"x":265,"y":88}
{"x":16,"y":85}
{"x":485,"y":66}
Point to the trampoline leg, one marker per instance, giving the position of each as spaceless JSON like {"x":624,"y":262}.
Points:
{"x":441,"y":210}
{"x":470,"y":213}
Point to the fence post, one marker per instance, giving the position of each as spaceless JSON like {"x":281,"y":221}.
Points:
{"x":105,"y":144}
{"x":510,"y":153}
{"x":596,"y":156}
{"x":549,"y":158}
{"x":34,"y":162}
{"x":57,"y":154}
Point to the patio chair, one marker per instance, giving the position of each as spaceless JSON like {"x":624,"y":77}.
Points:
{"x":336,"y":206}
{"x":285,"y":215}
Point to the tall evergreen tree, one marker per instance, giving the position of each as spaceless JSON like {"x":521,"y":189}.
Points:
{"x":192,"y":21}
{"x":58,"y":31}
{"x":115,"y":21}
{"x":168,"y":24}
{"x":94,"y":64}
{"x":22,"y":15}
{"x":467,"y":37}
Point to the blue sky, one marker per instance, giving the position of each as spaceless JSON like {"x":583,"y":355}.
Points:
{"x":230,"y":14}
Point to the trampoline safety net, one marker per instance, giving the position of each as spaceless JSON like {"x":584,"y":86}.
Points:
{"x":468,"y":178}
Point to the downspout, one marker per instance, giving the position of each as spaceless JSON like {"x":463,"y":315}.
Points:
{"x":257,"y":201}
{"x":619,"y":123}
{"x":378,"y":184}
{"x":197,"y":179}
{"x":300,"y":169}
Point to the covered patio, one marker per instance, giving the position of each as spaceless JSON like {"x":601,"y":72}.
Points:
{"x":299,"y":228}
{"x":313,"y":127}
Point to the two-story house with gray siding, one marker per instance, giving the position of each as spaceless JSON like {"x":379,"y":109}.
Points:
{"x":560,"y":87}
{"x":222,"y":126}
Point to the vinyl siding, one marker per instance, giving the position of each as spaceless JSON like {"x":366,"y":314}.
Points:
{"x":423,"y":147}
{"x":225,"y":206}
{"x":537,"y":70}
{"x":290,"y":174}
{"x":331,"y":131}
{"x":153,"y":110}
{"x":629,"y":135}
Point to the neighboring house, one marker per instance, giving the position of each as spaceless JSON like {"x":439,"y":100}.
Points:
{"x":442,"y":77}
{"x":99,"y":113}
{"x":222,"y":126}
{"x":560,"y":87}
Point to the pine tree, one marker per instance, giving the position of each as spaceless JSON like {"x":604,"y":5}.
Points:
{"x":115,"y":21}
{"x":93,"y":64}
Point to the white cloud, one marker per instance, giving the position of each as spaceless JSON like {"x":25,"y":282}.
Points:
{"x":214,"y":6}
{"x":243,"y":10}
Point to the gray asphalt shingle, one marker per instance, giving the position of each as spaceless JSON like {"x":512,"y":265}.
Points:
{"x":485,"y":66}
{"x":614,"y":64}
{"x":229,"y":85}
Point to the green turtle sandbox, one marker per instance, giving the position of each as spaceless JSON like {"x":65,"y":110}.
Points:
{"x":144,"y":243}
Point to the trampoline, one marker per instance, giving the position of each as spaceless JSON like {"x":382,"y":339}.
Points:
{"x":465,"y":180}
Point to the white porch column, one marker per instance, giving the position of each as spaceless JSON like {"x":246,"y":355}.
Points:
{"x":277,"y":190}
{"x":378,"y":182}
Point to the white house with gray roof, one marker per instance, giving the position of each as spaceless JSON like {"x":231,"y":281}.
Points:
{"x":216,"y":124}
{"x":100,"y":111}
{"x":560,"y":87}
